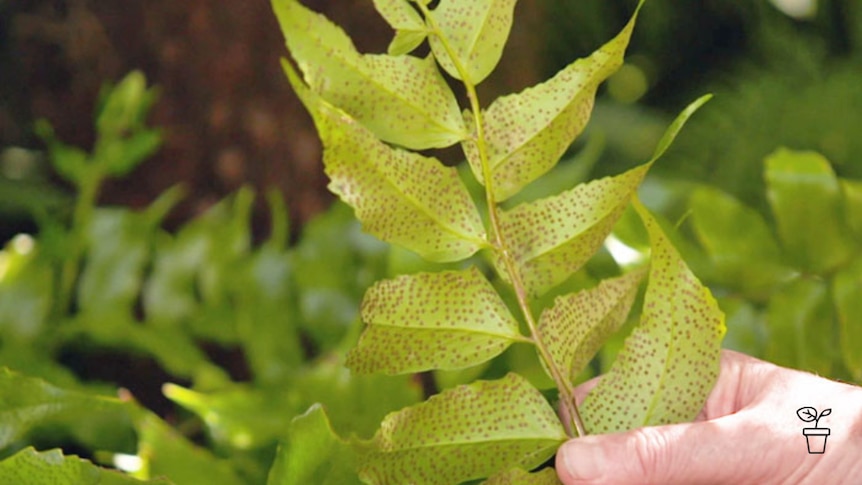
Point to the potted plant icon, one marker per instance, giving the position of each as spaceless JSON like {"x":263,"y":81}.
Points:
{"x":816,"y":436}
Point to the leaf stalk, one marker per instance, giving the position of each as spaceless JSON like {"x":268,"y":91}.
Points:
{"x":574,"y":424}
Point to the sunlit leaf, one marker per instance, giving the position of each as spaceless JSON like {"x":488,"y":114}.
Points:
{"x":409,"y":27}
{"x":801,"y":330}
{"x":528,"y":132}
{"x":240,"y":417}
{"x":446,"y":320}
{"x":401,"y":197}
{"x":165,"y":452}
{"x":738,"y":241}
{"x":551,"y":238}
{"x":579,"y":323}
{"x":801,"y":188}
{"x":31,"y":467}
{"x":671,"y":360}
{"x":313,"y":453}
{"x":404,"y":100}
{"x":468,"y":432}
{"x":517,"y":476}
{"x":847,"y":294}
{"x":475,"y":31}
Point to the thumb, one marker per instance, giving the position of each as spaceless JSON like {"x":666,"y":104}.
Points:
{"x":680,"y":453}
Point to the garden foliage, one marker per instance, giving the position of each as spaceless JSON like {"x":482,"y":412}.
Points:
{"x":109,"y":285}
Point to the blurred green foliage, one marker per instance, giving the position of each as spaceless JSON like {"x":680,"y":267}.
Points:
{"x":110,"y":279}
{"x":790,"y":283}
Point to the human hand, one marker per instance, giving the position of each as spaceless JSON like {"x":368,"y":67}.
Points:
{"x":747,"y":432}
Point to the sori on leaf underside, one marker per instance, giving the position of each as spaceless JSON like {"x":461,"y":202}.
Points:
{"x":373,"y":112}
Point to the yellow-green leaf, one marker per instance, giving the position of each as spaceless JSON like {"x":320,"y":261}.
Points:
{"x":528,"y":132}
{"x":465,"y":433}
{"x":580,"y":220}
{"x":446,"y":320}
{"x":802,"y":188}
{"x":409,"y":27}
{"x":847,"y":293}
{"x":399,"y":196}
{"x":403,"y":100}
{"x":518,"y":476}
{"x":670,"y":362}
{"x":553,"y":237}
{"x":578,"y":324}
{"x":475,"y":31}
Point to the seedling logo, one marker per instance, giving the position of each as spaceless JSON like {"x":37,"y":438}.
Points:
{"x":816,"y":436}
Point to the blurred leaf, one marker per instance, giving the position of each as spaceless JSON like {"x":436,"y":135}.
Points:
{"x":852,"y":190}
{"x":118,"y":248}
{"x":847,"y":295}
{"x":26,"y":282}
{"x":465,"y":433}
{"x":31,"y":467}
{"x":395,"y":193}
{"x":669,"y":363}
{"x":475,"y":31}
{"x":119,"y":156}
{"x":355,"y":404}
{"x":193,"y":275}
{"x":738,"y":241}
{"x":27,"y":402}
{"x":165,"y":452}
{"x":746,"y":326}
{"x":124,"y":107}
{"x":556,"y":111}
{"x":313,"y":453}
{"x":240,"y":417}
{"x":70,"y":162}
{"x":265,"y":320}
{"x":38,"y":363}
{"x":579,"y":323}
{"x":517,"y":476}
{"x":446,"y":320}
{"x":801,"y":333}
{"x":403,"y":100}
{"x":802,"y":187}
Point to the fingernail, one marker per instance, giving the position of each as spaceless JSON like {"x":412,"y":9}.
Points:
{"x":584,"y":459}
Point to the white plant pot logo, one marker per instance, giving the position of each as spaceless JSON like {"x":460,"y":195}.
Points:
{"x":816,"y":436}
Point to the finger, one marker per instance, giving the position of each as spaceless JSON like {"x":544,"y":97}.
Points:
{"x":584,"y":388}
